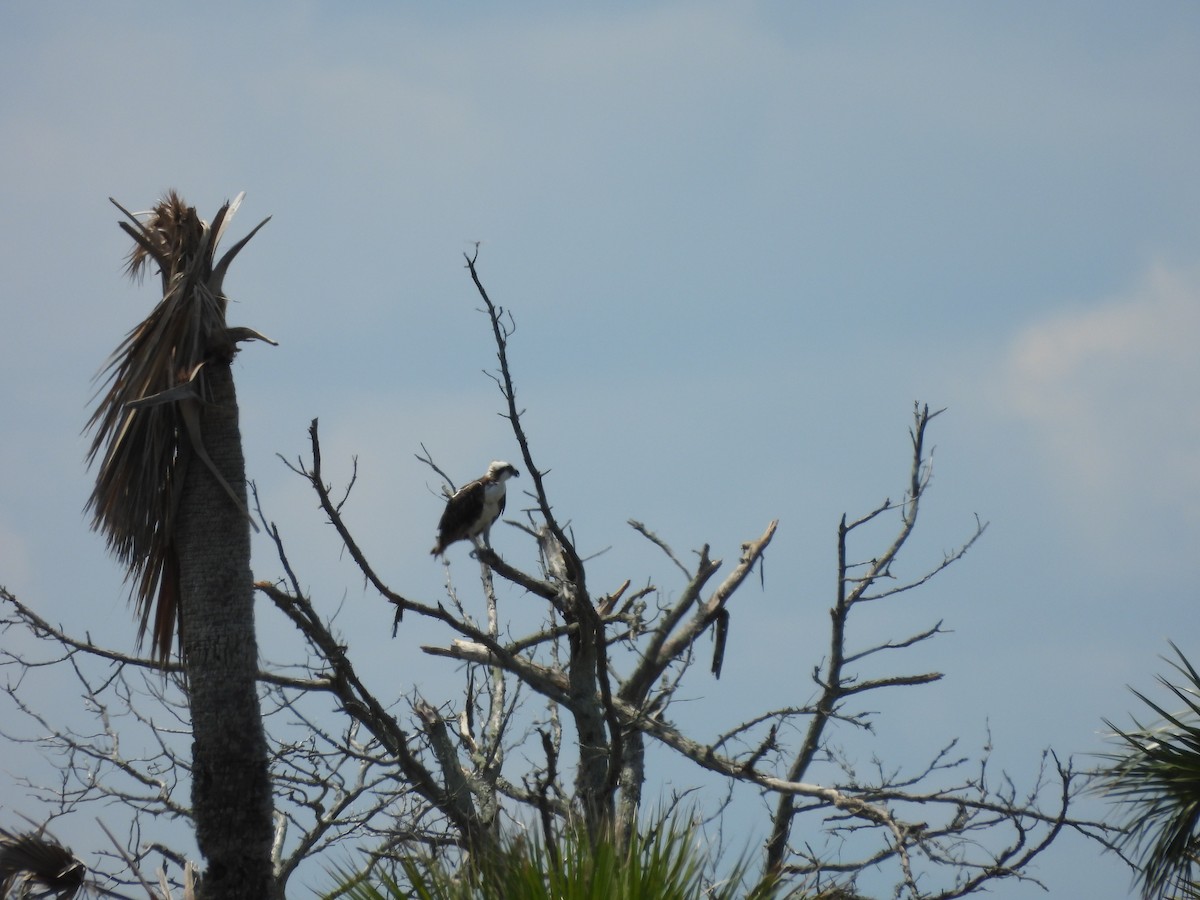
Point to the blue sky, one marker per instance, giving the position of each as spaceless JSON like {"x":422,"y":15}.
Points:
{"x":739,"y":240}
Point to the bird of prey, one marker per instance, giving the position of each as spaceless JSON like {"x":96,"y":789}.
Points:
{"x":473,"y":508}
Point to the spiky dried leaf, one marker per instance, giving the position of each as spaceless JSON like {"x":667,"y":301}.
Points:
{"x":32,"y":859}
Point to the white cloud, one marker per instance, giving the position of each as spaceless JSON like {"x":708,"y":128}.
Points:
{"x":1111,"y":392}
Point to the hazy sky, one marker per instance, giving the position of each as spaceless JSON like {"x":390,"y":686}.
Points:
{"x":739,"y":240}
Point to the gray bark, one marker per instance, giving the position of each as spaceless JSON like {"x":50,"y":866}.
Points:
{"x":231,"y":789}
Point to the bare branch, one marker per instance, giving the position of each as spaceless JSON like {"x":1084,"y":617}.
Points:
{"x":385,"y":775}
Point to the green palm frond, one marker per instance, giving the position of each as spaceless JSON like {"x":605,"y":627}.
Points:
{"x":1157,"y":776}
{"x":666,"y":865}
{"x":146,"y":425}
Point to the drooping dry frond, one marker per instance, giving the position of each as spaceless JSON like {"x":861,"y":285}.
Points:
{"x":147,"y":418}
{"x":34,"y":864}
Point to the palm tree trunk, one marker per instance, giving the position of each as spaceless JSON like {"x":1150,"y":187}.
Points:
{"x":231,"y":789}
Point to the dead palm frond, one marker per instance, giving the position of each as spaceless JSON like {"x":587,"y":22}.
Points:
{"x":148,"y":417}
{"x":34,"y":860}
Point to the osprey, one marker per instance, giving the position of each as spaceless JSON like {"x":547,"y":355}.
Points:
{"x":473,"y":508}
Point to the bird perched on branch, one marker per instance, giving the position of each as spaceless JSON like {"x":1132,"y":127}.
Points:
{"x":473,"y":508}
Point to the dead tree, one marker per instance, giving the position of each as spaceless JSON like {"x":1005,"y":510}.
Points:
{"x":551,"y":728}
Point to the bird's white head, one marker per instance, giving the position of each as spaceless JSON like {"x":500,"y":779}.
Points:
{"x":501,"y":471}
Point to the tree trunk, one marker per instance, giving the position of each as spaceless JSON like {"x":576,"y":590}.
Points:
{"x":231,"y":788}
{"x":587,"y":708}
{"x":632,"y":778}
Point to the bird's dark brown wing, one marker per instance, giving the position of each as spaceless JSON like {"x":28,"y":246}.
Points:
{"x":461,"y":512}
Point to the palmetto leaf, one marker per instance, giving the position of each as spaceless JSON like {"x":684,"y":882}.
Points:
{"x":146,"y":422}
{"x":1158,"y":776}
{"x":668,"y":864}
